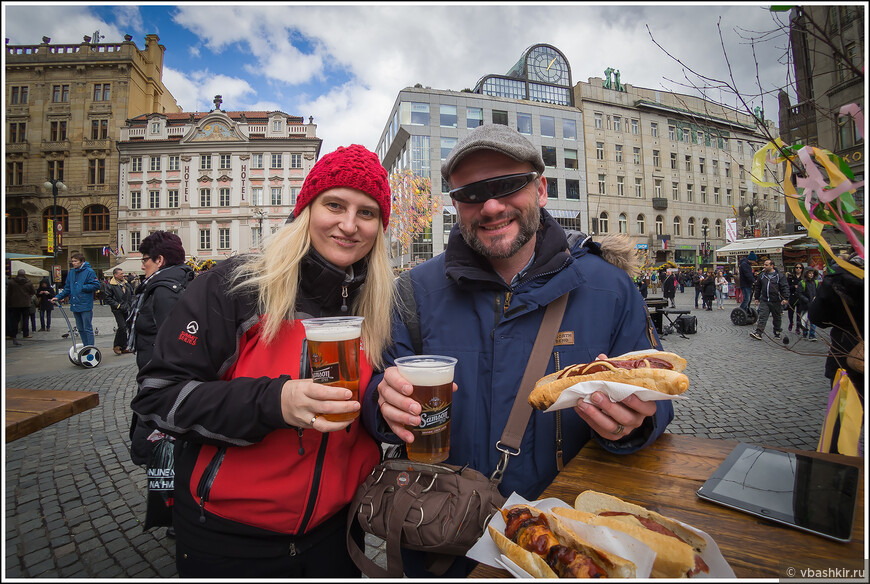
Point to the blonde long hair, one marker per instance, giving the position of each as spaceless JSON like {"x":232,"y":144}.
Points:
{"x":274,"y":275}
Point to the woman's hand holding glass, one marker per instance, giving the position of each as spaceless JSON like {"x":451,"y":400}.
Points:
{"x":303,"y":404}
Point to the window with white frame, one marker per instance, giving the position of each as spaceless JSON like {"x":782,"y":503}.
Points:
{"x":654,"y":129}
{"x":656,"y":160}
{"x":136,"y":164}
{"x":690,"y":193}
{"x":623,"y":223}
{"x":657,"y":188}
{"x":205,"y":197}
{"x":223,"y":238}
{"x":636,"y":155}
{"x":155,"y":127}
{"x":742,"y":172}
{"x":204,"y":238}
{"x":294,"y":194}
{"x":701,"y":165}
{"x":135,"y":239}
{"x":599,"y":120}
{"x":688,"y":163}
{"x":256,"y":161}
{"x":728,"y":200}
{"x":277,"y":161}
{"x":675,"y":191}
{"x":716,"y":200}
{"x":617,"y":123}
{"x":602,"y":179}
{"x":295,"y":161}
{"x":690,"y":227}
{"x":225,"y":160}
{"x":172,"y":198}
{"x":174,"y":163}
{"x":620,"y":186}
{"x":727,"y":169}
{"x":677,"y":225}
{"x":660,"y":225}
{"x":257,"y":196}
{"x":135,"y":199}
{"x":717,"y":229}
{"x":277,"y":195}
{"x":602,"y":222}
{"x":277,"y":125}
{"x":672,"y":133}
{"x":716,"y":167}
{"x":224,"y":197}
{"x":641,"y":224}
{"x":638,"y":188}
{"x":673,"y":161}
{"x":599,"y":150}
{"x":153,"y":199}
{"x":635,"y":126}
{"x":205,"y":162}
{"x":618,"y":152}
{"x":154,"y":163}
{"x":704,"y":194}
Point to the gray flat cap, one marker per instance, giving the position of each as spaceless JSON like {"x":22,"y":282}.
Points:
{"x":496,"y":137}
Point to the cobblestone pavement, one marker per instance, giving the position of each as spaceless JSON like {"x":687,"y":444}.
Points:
{"x":75,"y":503}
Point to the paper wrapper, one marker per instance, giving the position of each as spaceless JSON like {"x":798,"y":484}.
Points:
{"x":612,"y":389}
{"x":486,"y":552}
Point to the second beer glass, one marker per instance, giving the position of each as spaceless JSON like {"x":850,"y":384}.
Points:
{"x":432,"y":378}
{"x":333,"y":349}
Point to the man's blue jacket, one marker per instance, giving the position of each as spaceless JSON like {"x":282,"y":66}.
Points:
{"x":81,"y":283}
{"x":467,"y":311}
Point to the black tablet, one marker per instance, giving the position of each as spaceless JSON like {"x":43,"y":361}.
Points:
{"x":808,"y":493}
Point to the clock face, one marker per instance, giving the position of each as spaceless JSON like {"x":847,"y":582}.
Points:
{"x":548,"y":66}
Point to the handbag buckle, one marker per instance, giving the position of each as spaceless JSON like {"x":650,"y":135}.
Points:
{"x":506,"y":452}
{"x":431,"y":484}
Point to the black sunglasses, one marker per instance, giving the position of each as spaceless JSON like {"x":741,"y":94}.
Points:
{"x":492,"y":188}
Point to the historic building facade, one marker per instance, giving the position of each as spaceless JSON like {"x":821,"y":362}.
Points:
{"x":220,"y":180}
{"x":65,"y":105}
{"x":535,"y":98}
{"x":667,"y":169}
{"x":825,"y":82}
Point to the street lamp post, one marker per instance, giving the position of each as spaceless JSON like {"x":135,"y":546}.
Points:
{"x":54,"y":184}
{"x":704,"y":230}
{"x":751,"y":208}
{"x":260,"y":214}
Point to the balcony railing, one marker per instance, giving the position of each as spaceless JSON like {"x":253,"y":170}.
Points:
{"x":659,"y":203}
{"x":97,"y":144}
{"x":55,"y":146}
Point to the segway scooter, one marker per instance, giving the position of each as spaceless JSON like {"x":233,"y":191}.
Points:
{"x":87,"y":356}
{"x":741,"y":317}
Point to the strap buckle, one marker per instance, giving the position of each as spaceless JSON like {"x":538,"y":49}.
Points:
{"x":506,"y":452}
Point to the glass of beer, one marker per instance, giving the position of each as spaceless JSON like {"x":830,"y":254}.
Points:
{"x":432,"y":378}
{"x":333,"y":351}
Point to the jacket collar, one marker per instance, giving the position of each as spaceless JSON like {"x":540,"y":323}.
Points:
{"x":467,"y":267}
{"x":321,"y":282}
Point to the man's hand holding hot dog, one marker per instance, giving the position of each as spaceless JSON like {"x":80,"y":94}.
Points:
{"x":397,"y":406}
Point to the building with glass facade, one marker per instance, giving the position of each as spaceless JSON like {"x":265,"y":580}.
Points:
{"x":535,"y":98}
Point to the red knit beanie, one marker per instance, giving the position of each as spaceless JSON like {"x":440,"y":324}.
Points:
{"x":354,"y":167}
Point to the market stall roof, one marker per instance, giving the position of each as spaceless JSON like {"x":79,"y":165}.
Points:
{"x":130,"y":266}
{"x":24,"y":256}
{"x":29,"y":269}
{"x":757,"y":244}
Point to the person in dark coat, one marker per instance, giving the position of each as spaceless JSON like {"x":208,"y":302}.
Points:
{"x":747,"y":279}
{"x":642,"y":286}
{"x":166,"y":276}
{"x":19,"y":291}
{"x":669,"y":287}
{"x":794,"y":279}
{"x":118,"y":295}
{"x":708,"y":289}
{"x":806,"y":292}
{"x":45,"y":293}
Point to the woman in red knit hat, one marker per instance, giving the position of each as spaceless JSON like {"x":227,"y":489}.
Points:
{"x":262,"y":479}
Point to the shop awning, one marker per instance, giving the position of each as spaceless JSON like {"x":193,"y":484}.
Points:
{"x":24,"y":256}
{"x":563,"y":213}
{"x":757,"y":244}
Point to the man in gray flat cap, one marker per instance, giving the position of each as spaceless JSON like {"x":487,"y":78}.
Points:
{"x":482,"y":301}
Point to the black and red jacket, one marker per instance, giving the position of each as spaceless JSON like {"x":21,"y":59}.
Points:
{"x":241,"y":473}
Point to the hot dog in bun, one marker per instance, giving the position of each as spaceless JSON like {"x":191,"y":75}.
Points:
{"x":678,"y":549}
{"x":542,"y":545}
{"x":656,"y":370}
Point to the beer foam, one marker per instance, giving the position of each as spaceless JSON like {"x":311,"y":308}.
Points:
{"x":332,"y":333}
{"x":426,"y":372}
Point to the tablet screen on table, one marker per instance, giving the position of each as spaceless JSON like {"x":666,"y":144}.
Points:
{"x":805,"y":492}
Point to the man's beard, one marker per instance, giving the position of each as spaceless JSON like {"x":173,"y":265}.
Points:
{"x":528,"y":221}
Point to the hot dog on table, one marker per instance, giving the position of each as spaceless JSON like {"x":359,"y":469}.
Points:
{"x":656,"y":370}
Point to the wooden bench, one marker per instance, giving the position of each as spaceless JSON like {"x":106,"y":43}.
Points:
{"x":29,"y":410}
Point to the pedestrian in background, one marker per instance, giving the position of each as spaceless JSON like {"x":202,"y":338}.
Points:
{"x":45,"y":293}
{"x":166,"y":276}
{"x":747,"y":279}
{"x":681,"y":278}
{"x":794,"y":280}
{"x":806,"y":292}
{"x":708,"y":289}
{"x":721,"y":290}
{"x":31,"y":311}
{"x":696,"y":284}
{"x":771,"y":295}
{"x":669,"y":287}
{"x":81,"y":283}
{"x":119,"y":296}
{"x":641,"y":280}
{"x":19,"y":290}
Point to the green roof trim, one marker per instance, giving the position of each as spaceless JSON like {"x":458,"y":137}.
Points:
{"x":641,"y":102}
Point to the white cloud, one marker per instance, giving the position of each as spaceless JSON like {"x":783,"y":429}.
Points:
{"x":64,"y":24}
{"x":195,"y":91}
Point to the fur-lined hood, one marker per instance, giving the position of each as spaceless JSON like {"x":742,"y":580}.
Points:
{"x":616,"y":248}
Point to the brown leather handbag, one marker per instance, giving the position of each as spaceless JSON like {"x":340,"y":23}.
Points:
{"x":443,"y":509}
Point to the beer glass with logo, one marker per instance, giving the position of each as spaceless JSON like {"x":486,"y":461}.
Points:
{"x":432,"y":378}
{"x":333,"y":350}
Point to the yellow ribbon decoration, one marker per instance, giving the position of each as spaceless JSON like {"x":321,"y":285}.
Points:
{"x":758,"y":163}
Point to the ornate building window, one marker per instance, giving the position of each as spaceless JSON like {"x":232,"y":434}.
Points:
{"x":16,"y":221}
{"x":95,"y":218}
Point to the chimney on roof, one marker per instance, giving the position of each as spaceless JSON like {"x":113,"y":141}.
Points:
{"x":217,"y":102}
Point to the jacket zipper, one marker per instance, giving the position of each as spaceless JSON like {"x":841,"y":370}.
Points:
{"x":315,"y":484}
{"x":203,"y":488}
{"x":559,"y":462}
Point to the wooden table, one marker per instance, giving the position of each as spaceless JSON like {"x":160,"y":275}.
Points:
{"x":29,"y":410}
{"x":664,"y":477}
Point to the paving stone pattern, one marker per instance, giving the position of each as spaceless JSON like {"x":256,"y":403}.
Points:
{"x":75,"y":504}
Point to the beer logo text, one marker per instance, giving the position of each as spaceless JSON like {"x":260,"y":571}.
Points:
{"x":326,"y":374}
{"x":403,"y":479}
{"x":434,"y":419}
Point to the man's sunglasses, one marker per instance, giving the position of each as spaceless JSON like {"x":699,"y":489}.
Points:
{"x":492,"y":188}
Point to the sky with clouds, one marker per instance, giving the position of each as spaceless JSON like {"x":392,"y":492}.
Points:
{"x":344,"y":64}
